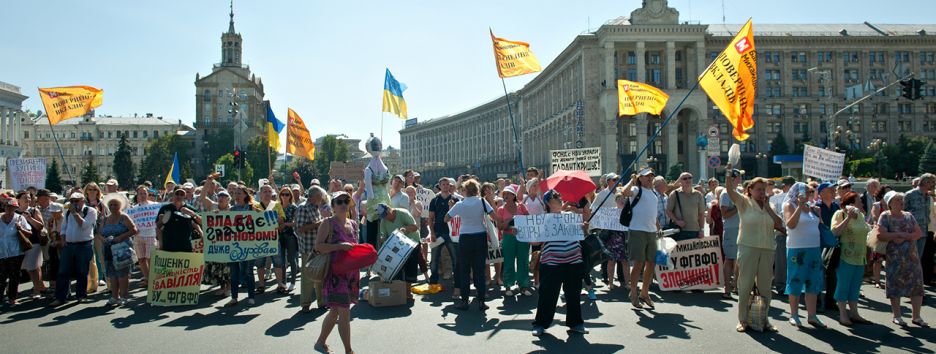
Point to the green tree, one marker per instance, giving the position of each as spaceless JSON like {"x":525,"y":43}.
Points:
{"x":904,"y":157}
{"x":231,"y":172}
{"x":928,"y":160}
{"x":675,"y":171}
{"x":332,"y":149}
{"x":53,"y":179}
{"x":305,"y":167}
{"x":90,"y":173}
{"x":257,"y":151}
{"x":123,"y":164}
{"x":159,"y":154}
{"x":778,"y":147}
{"x":219,"y":142}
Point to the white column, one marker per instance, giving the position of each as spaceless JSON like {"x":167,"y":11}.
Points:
{"x":18,"y":124}
{"x":670,"y":65}
{"x":701,"y":62}
{"x":609,"y":140}
{"x":672,"y":143}
{"x":641,"y":65}
{"x":642,"y":141}
{"x":4,"y":126}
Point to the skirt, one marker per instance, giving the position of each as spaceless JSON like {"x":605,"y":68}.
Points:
{"x":617,"y":245}
{"x":33,"y":258}
{"x":216,"y":274}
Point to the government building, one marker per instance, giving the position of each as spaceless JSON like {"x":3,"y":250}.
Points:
{"x":806,"y":72}
{"x":11,"y":125}
{"x":230,"y":82}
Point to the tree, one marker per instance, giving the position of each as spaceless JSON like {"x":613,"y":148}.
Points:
{"x":90,"y":173}
{"x":778,"y":147}
{"x":928,"y":160}
{"x":123,"y":164}
{"x":219,"y":142}
{"x":159,"y":154}
{"x":305,"y":167}
{"x":257,"y":150}
{"x":231,"y":172}
{"x":53,"y":179}
{"x":332,"y":149}
{"x":675,"y":171}
{"x":904,"y":157}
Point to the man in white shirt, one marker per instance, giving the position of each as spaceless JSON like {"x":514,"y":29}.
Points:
{"x":77,"y":234}
{"x":603,"y":200}
{"x":641,"y":243}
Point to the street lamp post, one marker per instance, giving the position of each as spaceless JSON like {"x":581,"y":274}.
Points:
{"x":761,"y":158}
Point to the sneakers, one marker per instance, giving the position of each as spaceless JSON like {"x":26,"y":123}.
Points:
{"x":538,"y":331}
{"x":124,"y":302}
{"x":578,"y":329}
{"x":291,"y":287}
{"x":113,"y":302}
{"x":101,"y":283}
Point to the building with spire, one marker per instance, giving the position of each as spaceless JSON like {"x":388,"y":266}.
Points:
{"x":228,"y":102}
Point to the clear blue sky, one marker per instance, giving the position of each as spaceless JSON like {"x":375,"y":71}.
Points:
{"x":326,"y":59}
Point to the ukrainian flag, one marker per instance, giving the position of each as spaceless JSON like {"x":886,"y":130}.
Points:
{"x":274,"y":127}
{"x":393,"y":96}
{"x":173,"y":175}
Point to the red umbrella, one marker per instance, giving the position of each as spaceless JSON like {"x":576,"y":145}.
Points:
{"x":571,"y":185}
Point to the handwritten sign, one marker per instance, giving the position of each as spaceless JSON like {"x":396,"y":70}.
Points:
{"x":822,"y":163}
{"x":454,"y":225}
{"x":175,"y":278}
{"x":144,"y":216}
{"x":236,"y":236}
{"x":587,"y":159}
{"x":697,"y":265}
{"x":424,"y":196}
{"x":549,"y":227}
{"x":25,"y":173}
{"x":608,"y":219}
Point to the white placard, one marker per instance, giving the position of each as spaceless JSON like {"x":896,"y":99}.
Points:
{"x":697,"y":265}
{"x":587,"y":159}
{"x":424,"y":196}
{"x":822,"y":163}
{"x":549,"y":227}
{"x":144,"y":217}
{"x":25,"y":173}
{"x":607,"y":219}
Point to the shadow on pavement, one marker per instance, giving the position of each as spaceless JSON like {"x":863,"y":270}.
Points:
{"x":573,"y":343}
{"x":294,"y":323}
{"x":664,"y":325}
{"x":222,"y":317}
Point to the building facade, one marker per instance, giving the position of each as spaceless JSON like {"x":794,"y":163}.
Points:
{"x":96,"y":139}
{"x":806,"y":73}
{"x":229,"y":100}
{"x":11,"y":125}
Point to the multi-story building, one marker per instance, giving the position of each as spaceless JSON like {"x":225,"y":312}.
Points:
{"x":95,"y":138}
{"x":806,"y":73}
{"x":230,"y":82}
{"x":11,"y":124}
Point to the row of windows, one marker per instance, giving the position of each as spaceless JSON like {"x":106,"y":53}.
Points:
{"x":141,"y":134}
{"x":651,"y":57}
{"x":848,"y":57}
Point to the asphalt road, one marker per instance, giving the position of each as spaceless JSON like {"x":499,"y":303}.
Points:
{"x":680,"y":322}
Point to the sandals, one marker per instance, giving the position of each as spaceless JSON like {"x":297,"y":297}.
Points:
{"x":816,"y":322}
{"x":282,"y":290}
{"x":636,"y":303}
{"x":742,"y":327}
{"x":899,"y":321}
{"x":259,"y":290}
{"x":920,"y":322}
{"x":646,"y":301}
{"x":322,"y":348}
{"x":795,"y":322}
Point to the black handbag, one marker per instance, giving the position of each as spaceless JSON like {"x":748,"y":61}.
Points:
{"x":627,"y":213}
{"x":593,"y":250}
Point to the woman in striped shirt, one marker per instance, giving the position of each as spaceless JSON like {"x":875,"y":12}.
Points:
{"x":560,"y":267}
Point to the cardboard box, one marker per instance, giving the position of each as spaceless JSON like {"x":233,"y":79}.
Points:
{"x":381,"y":294}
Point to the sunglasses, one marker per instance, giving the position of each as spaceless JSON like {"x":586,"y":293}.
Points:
{"x":342,"y":201}
{"x":285,"y":194}
{"x":686,"y":178}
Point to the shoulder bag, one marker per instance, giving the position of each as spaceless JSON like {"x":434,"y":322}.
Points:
{"x":627,"y":213}
{"x":317,"y":268}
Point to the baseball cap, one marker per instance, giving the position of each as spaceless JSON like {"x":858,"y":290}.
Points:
{"x":111,"y":182}
{"x":823,"y":186}
{"x":844,"y":183}
{"x":382,"y":210}
{"x":315,"y":182}
{"x":224,"y":193}
{"x":76,"y":195}
{"x":645,"y":172}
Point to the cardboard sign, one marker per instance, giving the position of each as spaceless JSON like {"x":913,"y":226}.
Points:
{"x":424,"y":196}
{"x":607,"y":219}
{"x":144,"y":217}
{"x":587,"y":159}
{"x":25,"y":173}
{"x":236,"y":236}
{"x":549,"y":227}
{"x":454,"y":225}
{"x":822,"y":163}
{"x":175,"y":278}
{"x":697,"y":265}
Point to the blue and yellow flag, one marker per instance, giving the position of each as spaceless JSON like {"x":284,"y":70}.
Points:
{"x":393,"y":96}
{"x":274,"y":127}
{"x":173,"y":175}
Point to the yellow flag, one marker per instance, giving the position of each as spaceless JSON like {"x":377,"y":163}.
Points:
{"x":731,"y":80}
{"x":62,"y":103}
{"x":513,"y":58}
{"x":635,"y":97}
{"x":298,"y":140}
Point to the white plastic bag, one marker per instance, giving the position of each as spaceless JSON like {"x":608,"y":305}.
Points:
{"x":665,"y":245}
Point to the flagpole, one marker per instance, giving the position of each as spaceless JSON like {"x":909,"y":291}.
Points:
{"x":513,"y":126}
{"x":625,"y":173}
{"x":64,"y":164}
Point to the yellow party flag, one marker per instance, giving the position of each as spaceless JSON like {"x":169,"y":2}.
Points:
{"x":62,"y":103}
{"x":635,"y":97}
{"x":731,"y":80}
{"x":513,"y":58}
{"x":298,"y":140}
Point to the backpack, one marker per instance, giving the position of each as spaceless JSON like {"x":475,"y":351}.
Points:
{"x":627,"y":213}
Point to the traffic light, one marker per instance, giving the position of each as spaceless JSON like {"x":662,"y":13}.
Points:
{"x":237,"y":158}
{"x":911,"y":89}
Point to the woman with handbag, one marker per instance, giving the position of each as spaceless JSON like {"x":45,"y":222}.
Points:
{"x":115,"y":233}
{"x":32,"y":261}
{"x":340,"y":290}
{"x":13,"y":241}
{"x":804,"y":254}
{"x":849,"y":224}
{"x":472,"y":244}
{"x":878,"y":249}
{"x":904,"y":272}
{"x":242,"y":272}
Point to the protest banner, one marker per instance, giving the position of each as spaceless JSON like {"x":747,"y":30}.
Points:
{"x":424,"y":196}
{"x":25,"y":173}
{"x":175,"y":278}
{"x":454,"y":225}
{"x":607,"y":219}
{"x":697,"y":265}
{"x":822,"y":163}
{"x":235,"y":236}
{"x":549,"y":227}
{"x":587,"y":159}
{"x":635,"y":97}
{"x":144,"y":217}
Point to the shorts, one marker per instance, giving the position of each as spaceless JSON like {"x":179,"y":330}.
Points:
{"x":804,"y":271}
{"x":144,"y":246}
{"x":730,"y":244}
{"x":641,"y":246}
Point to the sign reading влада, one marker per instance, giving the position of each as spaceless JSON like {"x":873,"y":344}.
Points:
{"x":236,"y":236}
{"x":697,"y":265}
{"x":549,"y":227}
{"x":175,"y":278}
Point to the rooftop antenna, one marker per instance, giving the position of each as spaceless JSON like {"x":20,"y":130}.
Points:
{"x":723,"y":12}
